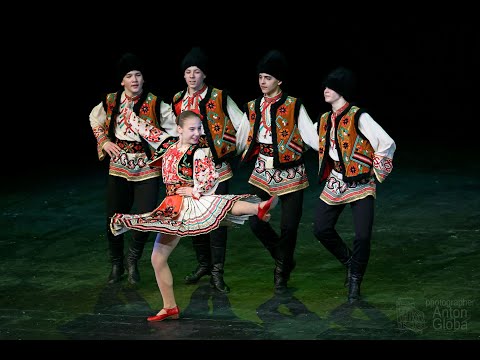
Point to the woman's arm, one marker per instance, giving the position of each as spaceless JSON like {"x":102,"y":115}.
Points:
{"x":205,"y":176}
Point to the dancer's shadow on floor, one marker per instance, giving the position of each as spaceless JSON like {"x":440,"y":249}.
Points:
{"x":286,"y":317}
{"x":119,"y":313}
{"x":209,"y":316}
{"x":361,"y":320}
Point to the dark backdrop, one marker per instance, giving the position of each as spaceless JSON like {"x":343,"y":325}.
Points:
{"x":416,"y":78}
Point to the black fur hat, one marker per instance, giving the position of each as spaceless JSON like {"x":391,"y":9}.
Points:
{"x":275,"y":64}
{"x":195,"y":57}
{"x":129,"y":62}
{"x":343,"y":81}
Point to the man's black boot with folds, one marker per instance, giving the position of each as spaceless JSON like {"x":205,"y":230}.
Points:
{"x":354,"y":288}
{"x":201,"y":245}
{"x":218,"y":262}
{"x":134,"y":255}
{"x":281,"y":275}
{"x":347,"y":271}
{"x":116,"y":258}
{"x":357,"y":270}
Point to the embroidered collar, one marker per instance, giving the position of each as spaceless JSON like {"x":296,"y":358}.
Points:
{"x":194,"y":99}
{"x":132,"y":98}
{"x":198,"y":92}
{"x":339,"y":111}
{"x":271,"y":100}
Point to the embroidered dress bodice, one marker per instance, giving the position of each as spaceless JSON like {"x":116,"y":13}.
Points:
{"x":170,"y":166}
{"x":192,"y":102}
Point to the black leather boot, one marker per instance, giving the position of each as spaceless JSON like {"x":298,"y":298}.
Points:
{"x":218,"y":263}
{"x":116,"y":257}
{"x":201,"y":245}
{"x":197,"y":274}
{"x":280,"y":278}
{"x":216,"y":280}
{"x":354,"y":288}
{"x":134,"y":254}
{"x":357,"y":270}
{"x":116,"y":274}
{"x":347,"y":272}
{"x":283,"y":267}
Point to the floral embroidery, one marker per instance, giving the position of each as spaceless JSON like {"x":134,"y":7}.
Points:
{"x":205,"y":174}
{"x":186,"y":171}
{"x":144,"y":109}
{"x":211,"y":105}
{"x":203,"y":142}
{"x":217,"y":128}
{"x":282,"y":110}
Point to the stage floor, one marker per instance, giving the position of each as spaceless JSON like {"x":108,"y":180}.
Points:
{"x":421,"y":283}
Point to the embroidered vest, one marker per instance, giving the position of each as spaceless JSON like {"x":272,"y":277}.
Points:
{"x":185,"y":165}
{"x":354,"y":150}
{"x":286,"y":139}
{"x":147,"y":106}
{"x":219,"y":130}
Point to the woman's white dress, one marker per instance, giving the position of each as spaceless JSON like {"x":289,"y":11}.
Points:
{"x":200,"y":213}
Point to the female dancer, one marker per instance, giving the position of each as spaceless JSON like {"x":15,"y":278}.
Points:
{"x":190,"y":207}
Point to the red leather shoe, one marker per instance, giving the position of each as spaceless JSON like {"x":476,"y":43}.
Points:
{"x":172,"y":313}
{"x":271,"y":203}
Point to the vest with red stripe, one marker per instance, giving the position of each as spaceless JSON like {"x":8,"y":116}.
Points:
{"x":355,"y":151}
{"x":219,"y":130}
{"x":287,"y":142}
{"x":147,"y":106}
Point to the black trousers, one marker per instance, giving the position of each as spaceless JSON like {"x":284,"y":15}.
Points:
{"x":281,"y":247}
{"x":122,"y":195}
{"x":326,"y":217}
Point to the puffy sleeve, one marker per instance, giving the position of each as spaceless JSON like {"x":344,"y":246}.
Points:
{"x":307,"y":129}
{"x":383,"y":146}
{"x":153,"y":135}
{"x":98,"y":118}
{"x":205,"y":176}
{"x":167,"y":119}
{"x":234,"y":113}
{"x":242,"y":133}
